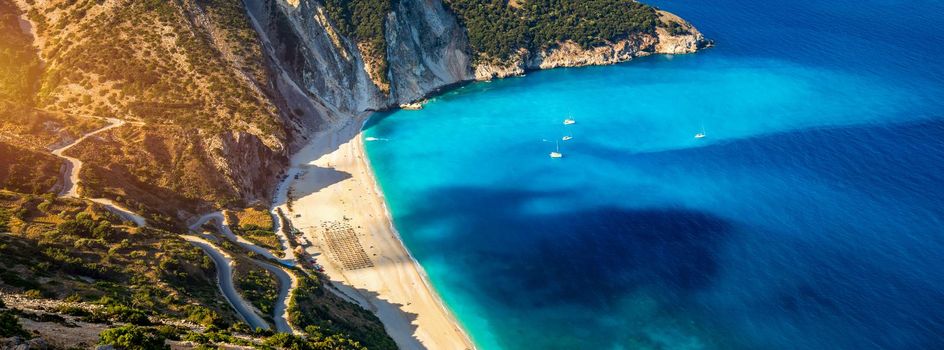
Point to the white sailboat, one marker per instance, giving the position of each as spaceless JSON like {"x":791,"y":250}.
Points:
{"x":569,"y":121}
{"x":702,"y":134}
{"x":566,"y":138}
{"x":557,"y":153}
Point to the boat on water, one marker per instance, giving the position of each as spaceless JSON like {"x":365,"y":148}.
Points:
{"x":702,"y":134}
{"x":566,"y":138}
{"x":569,"y":121}
{"x":557,"y":154}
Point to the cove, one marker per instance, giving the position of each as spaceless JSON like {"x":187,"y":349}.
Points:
{"x":809,"y":217}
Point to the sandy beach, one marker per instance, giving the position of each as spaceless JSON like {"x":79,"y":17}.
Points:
{"x":340,"y":209}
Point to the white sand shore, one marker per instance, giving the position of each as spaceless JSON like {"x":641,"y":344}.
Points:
{"x":335,"y":184}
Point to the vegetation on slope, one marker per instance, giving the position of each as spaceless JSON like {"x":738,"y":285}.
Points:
{"x":192,"y":71}
{"x":139,"y":277}
{"x":323,"y":315}
{"x":364,"y":22}
{"x":19,"y":64}
{"x":255,"y":224}
{"x":85,"y":253}
{"x":154,"y":60}
{"x":25,"y":170}
{"x":257,"y":286}
{"x":133,"y":337}
{"x":21,"y":123}
{"x":498,"y":30}
{"x":121,"y":164}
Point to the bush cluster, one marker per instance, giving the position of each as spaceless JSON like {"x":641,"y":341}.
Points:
{"x":497,"y":30}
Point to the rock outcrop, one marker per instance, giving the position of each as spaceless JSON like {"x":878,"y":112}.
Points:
{"x":687,"y":39}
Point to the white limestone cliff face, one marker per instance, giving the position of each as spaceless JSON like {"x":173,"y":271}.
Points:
{"x":426,"y":49}
{"x":304,"y":45}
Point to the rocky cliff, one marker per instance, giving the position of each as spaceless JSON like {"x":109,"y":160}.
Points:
{"x":247,"y":82}
{"x":427,"y":49}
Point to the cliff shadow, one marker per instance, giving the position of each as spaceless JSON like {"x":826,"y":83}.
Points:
{"x":314,"y":178}
{"x":521,"y":267}
{"x":402,"y":327}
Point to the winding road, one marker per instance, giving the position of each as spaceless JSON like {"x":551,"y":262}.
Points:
{"x":69,"y":188}
{"x":222,"y":260}
{"x":70,"y":180}
{"x":287,"y":281}
{"x":287,"y":284}
{"x":224,"y":271}
{"x":223,"y":226}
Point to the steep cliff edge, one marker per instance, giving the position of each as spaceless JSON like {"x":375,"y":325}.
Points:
{"x":428,"y":48}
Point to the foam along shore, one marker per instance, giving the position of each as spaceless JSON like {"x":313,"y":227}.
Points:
{"x":331,"y":184}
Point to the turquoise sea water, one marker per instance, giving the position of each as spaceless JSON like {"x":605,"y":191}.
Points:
{"x":810,"y":217}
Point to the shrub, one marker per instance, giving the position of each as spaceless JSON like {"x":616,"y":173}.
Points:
{"x":10,"y":326}
{"x":498,"y":30}
{"x":131,"y":337}
{"x":205,"y":316}
{"x":122,"y":313}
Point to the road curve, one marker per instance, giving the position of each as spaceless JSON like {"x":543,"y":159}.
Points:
{"x":224,"y":271}
{"x":223,"y":226}
{"x":69,"y":188}
{"x":287,"y":284}
{"x":287,"y":281}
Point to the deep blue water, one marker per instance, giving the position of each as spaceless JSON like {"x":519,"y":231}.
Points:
{"x":810,"y":217}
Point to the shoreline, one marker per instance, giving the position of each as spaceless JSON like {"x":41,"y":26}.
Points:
{"x":332,"y":181}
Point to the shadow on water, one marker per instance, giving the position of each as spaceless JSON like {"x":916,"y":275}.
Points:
{"x":830,"y":284}
{"x":586,"y":259}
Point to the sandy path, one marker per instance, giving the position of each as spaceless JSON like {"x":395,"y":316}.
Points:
{"x":335,"y":183}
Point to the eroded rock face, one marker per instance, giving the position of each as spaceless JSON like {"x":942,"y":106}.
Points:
{"x":305,"y":46}
{"x":690,"y":41}
{"x":426,"y":49}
